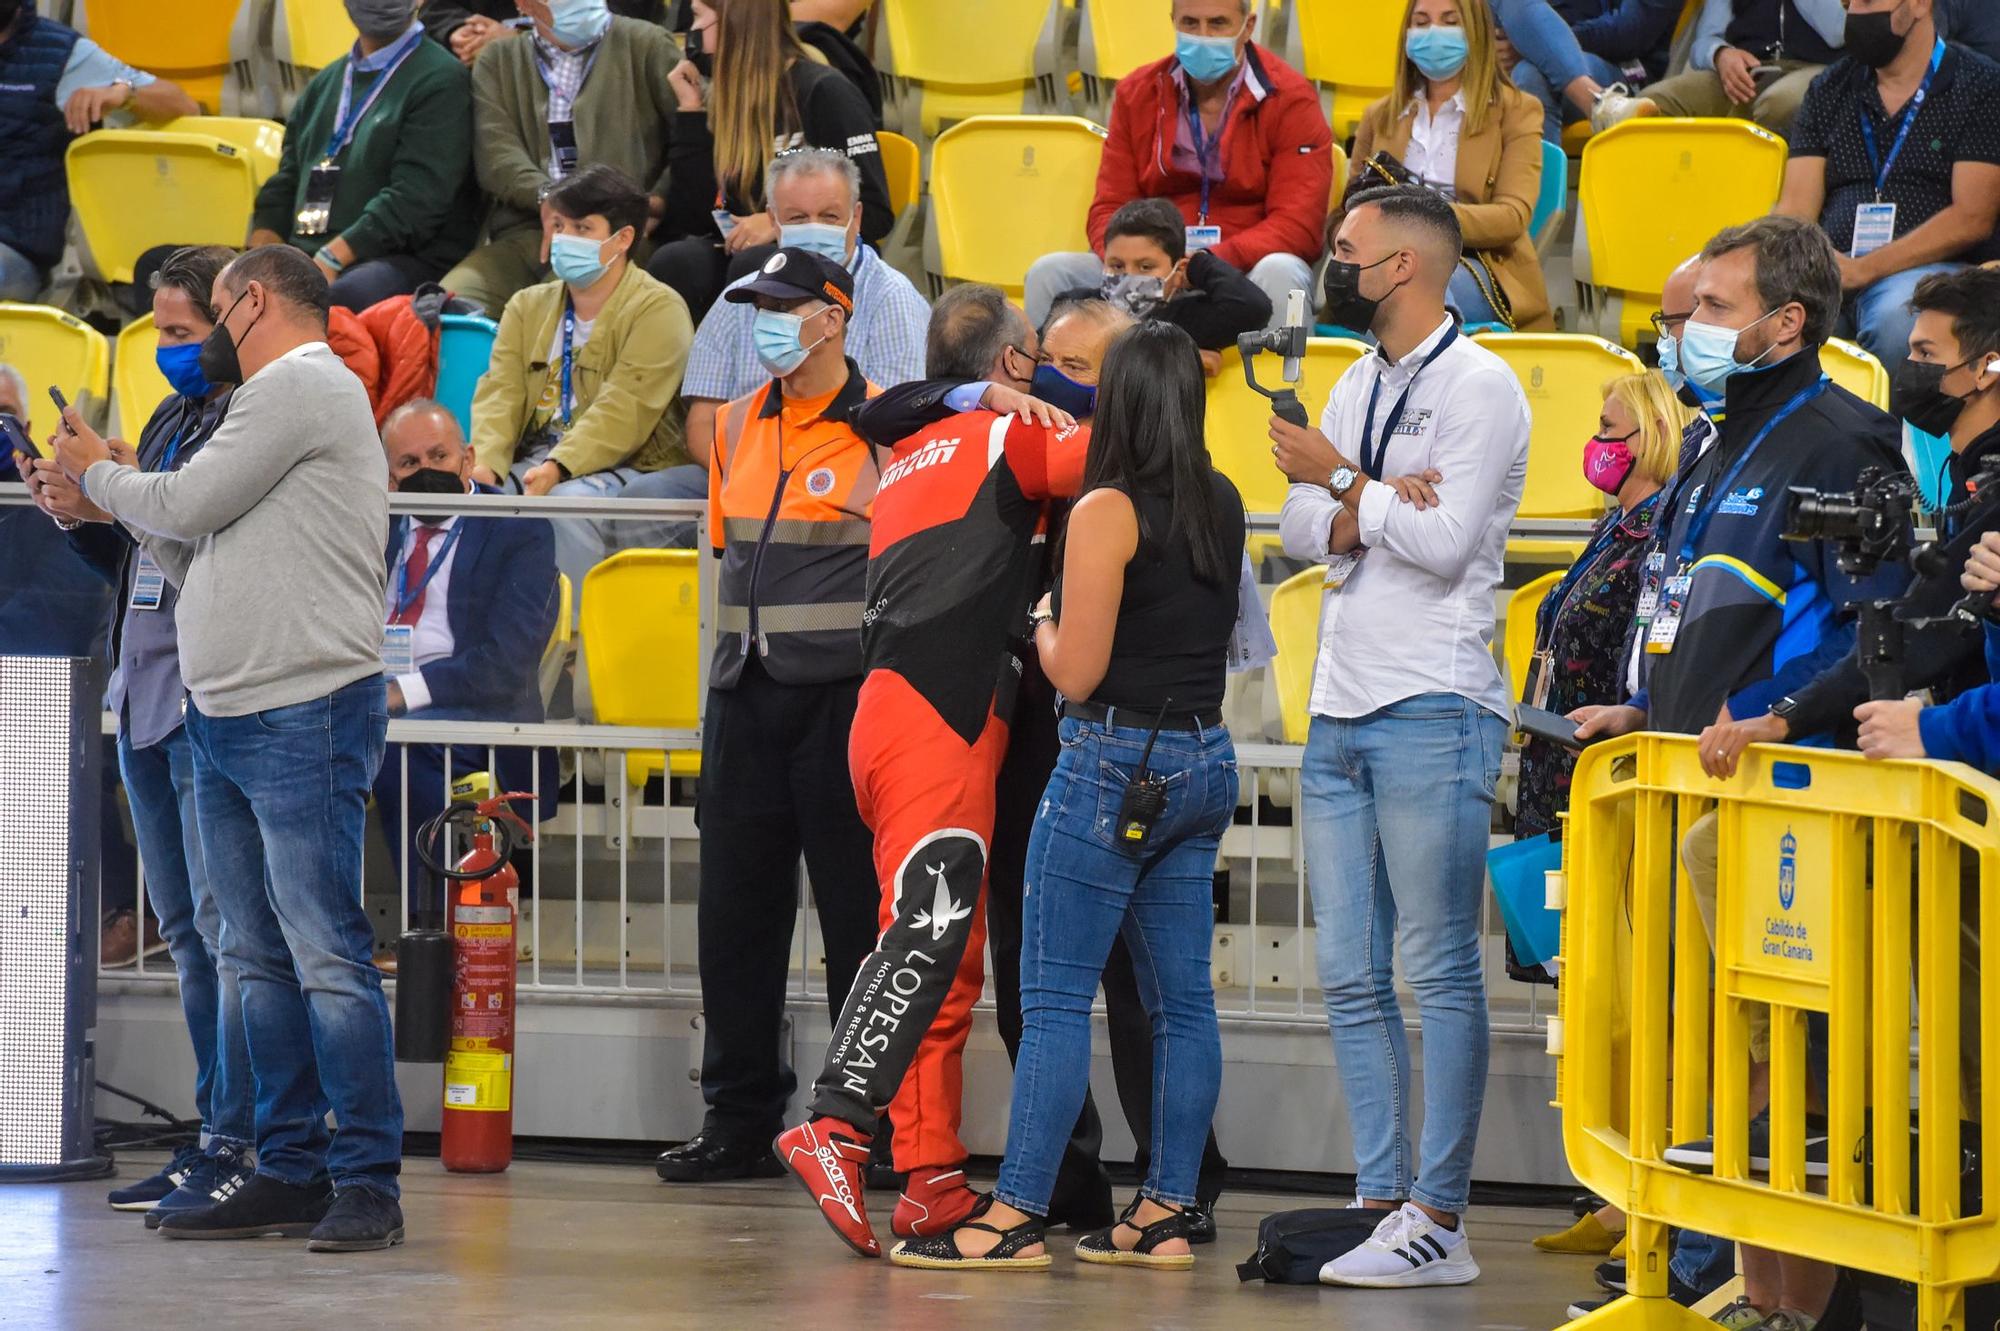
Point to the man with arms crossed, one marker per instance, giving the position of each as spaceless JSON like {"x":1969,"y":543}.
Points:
{"x":1409,"y":506}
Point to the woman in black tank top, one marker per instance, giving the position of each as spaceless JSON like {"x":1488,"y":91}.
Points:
{"x":1126,"y":840}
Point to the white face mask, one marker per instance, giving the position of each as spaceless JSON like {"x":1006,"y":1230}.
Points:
{"x":1708,"y":352}
{"x":822,"y":238}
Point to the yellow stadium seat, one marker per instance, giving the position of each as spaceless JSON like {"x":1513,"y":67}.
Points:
{"x":1653,"y":192}
{"x":1118,"y":36}
{"x":1518,"y":640}
{"x":1294,"y":618}
{"x":137,"y":386}
{"x":642,"y":649}
{"x":1238,"y":423}
{"x":904,"y":166}
{"x":1351,"y":47}
{"x":1850,"y":366}
{"x":1005,"y":190}
{"x":133,"y":189}
{"x":1563,"y":375}
{"x":556,"y":654}
{"x":969,"y":57}
{"x":187,"y":41}
{"x":50,"y":347}
{"x":263,"y":141}
{"x":309,"y":35}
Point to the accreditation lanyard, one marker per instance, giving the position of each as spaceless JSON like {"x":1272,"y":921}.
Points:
{"x":1205,"y":148}
{"x":1880,"y":165}
{"x":562,"y":133}
{"x":406,"y":596}
{"x":348,"y":117}
{"x":1554,"y":603}
{"x":187,"y":430}
{"x":1709,"y":500}
{"x":1371,"y":463}
{"x":568,"y":403}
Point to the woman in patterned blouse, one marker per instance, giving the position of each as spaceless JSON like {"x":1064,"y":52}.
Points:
{"x":1583,"y":625}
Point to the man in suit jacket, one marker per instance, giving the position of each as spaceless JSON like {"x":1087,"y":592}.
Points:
{"x":472,"y":602}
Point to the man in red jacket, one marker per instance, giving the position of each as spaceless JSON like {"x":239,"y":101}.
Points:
{"x":1229,"y":132}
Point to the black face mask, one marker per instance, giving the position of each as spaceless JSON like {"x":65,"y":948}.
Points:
{"x":1872,"y":38}
{"x":1345,"y":304}
{"x":698,"y":53}
{"x":218,"y":360}
{"x":431,"y":481}
{"x":1916,"y":393}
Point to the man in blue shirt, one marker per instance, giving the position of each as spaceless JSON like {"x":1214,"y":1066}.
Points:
{"x":1567,"y":52}
{"x":54,"y":85}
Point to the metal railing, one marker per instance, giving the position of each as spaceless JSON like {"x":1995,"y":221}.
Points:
{"x":608,"y":908}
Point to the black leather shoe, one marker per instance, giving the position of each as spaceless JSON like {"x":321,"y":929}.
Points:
{"x":360,"y":1220}
{"x":1201,"y":1223}
{"x":712,"y":1157}
{"x":261,"y":1207}
{"x":1084,"y":1209}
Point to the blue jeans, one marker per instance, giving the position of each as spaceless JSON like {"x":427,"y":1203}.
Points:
{"x":20,"y":279}
{"x":159,"y":785}
{"x":1083,"y":889}
{"x":1465,"y":294}
{"x":1397,"y":807}
{"x":283,"y":800}
{"x":1879,"y":317}
{"x":579,"y":546}
{"x":689,"y":481}
{"x":1551,"y":59}
{"x":1702,"y":1261}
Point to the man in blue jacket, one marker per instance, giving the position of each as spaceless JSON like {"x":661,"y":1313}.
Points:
{"x":472,"y":602}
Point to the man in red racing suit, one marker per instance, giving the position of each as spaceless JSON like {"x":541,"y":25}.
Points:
{"x":953,"y":561}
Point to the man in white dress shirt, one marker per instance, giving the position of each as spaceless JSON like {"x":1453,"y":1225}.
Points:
{"x":1406,"y":490}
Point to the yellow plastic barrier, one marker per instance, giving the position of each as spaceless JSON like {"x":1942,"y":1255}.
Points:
{"x":1845,"y":890}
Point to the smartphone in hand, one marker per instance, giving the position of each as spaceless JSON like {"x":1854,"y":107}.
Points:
{"x":1538,"y":723}
{"x":62,"y":407}
{"x":16,"y":437}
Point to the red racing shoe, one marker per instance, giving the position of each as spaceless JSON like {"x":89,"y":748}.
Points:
{"x":830,"y":1160}
{"x":934,"y":1201}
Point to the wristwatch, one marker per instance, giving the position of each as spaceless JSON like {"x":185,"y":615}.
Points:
{"x":1342,"y":480}
{"x":1785,"y":709}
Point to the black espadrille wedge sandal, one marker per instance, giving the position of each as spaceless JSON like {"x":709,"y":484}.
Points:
{"x":1097,"y":1246}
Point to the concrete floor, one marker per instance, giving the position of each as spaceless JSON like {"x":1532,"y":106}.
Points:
{"x":596,"y":1246}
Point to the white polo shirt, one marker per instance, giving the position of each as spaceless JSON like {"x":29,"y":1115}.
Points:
{"x":1416,"y":616}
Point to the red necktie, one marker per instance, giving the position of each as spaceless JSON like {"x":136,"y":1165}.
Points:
{"x":414,"y":573}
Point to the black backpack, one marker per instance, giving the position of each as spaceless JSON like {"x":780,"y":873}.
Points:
{"x":1293,"y":1245}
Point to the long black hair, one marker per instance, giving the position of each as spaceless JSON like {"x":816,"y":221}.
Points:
{"x":1147,"y":436}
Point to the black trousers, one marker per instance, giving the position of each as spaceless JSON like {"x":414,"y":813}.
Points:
{"x":774,"y":786}
{"x":1031,"y":758}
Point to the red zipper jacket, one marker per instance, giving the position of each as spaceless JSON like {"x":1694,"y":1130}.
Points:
{"x":1276,"y":158}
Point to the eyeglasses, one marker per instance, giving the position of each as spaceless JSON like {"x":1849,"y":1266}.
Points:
{"x":1661,"y":320}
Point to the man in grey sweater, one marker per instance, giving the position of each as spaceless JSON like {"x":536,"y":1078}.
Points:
{"x":274,"y":535}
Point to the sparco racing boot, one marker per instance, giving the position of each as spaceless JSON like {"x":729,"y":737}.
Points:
{"x":830,"y":1160}
{"x":933,"y":1201}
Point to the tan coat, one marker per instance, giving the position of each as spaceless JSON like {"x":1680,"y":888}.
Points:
{"x":1499,"y":178}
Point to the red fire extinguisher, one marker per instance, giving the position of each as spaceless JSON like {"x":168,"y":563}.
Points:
{"x":478,"y":1131}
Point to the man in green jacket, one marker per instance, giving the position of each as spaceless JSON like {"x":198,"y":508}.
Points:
{"x":376,"y":178}
{"x":583,"y":88}
{"x":583,"y":393}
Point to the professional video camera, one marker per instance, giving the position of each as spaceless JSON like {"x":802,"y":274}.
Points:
{"x":1875,"y":524}
{"x":1288,"y":341}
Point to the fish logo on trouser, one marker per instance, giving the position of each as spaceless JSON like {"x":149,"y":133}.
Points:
{"x":944,"y":911}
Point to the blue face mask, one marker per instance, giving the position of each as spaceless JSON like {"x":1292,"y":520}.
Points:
{"x":776,"y":335}
{"x":1059,"y":390}
{"x":1205,"y":59}
{"x":577,"y":260}
{"x":1439,"y":52}
{"x":822,"y":238}
{"x":578,"y":22}
{"x":1707,"y":353}
{"x":182,"y":367}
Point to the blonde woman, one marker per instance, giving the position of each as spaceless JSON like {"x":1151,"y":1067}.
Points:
{"x":1459,"y":126}
{"x":1582,"y":627}
{"x":748,"y":90}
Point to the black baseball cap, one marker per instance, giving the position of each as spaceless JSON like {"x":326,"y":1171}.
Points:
{"x":792,"y":274}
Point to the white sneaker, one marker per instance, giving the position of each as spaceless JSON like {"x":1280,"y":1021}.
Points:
{"x":1408,"y":1249}
{"x":1613,"y":106}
